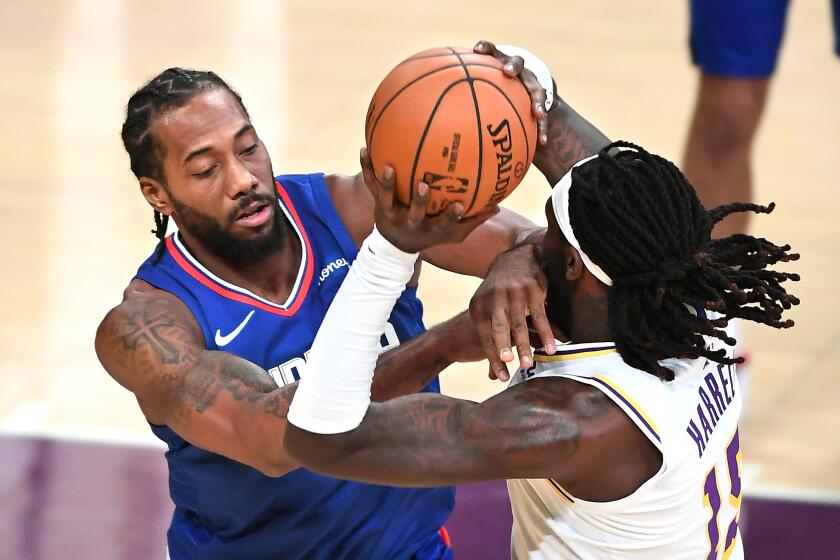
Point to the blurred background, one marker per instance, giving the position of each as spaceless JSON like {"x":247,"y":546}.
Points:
{"x":76,"y":226}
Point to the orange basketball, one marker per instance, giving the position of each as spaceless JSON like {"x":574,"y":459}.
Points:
{"x":449,"y":117}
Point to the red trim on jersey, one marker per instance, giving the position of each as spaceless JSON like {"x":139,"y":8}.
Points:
{"x":310,"y":258}
{"x":444,"y":536}
{"x":242,"y":298}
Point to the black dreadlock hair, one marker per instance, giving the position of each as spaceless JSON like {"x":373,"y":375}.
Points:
{"x":638,"y":218}
{"x":171,"y":89}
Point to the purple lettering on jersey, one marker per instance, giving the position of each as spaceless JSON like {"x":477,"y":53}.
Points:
{"x":712,"y":384}
{"x":732,"y":381}
{"x":708,"y":404}
{"x":724,"y":384}
{"x":695,"y":434}
{"x":707,"y":428}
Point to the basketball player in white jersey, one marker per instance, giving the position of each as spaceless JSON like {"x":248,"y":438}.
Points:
{"x":624,"y":443}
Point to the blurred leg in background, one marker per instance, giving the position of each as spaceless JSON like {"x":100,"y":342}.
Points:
{"x":735,"y":44}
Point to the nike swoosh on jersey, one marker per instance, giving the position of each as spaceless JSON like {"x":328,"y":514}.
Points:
{"x":228,"y":338}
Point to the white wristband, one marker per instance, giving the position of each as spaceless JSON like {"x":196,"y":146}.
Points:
{"x":333,"y":394}
{"x":535,"y":65}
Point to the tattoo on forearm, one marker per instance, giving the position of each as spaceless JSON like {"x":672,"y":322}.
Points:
{"x":570,"y":139}
{"x":201,"y":390}
{"x":244,"y":380}
{"x":278,"y":403}
{"x":431,"y":435}
{"x":225,"y":372}
{"x":564,"y":144}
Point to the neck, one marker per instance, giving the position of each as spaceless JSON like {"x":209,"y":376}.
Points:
{"x":271,"y":277}
{"x":589,"y":318}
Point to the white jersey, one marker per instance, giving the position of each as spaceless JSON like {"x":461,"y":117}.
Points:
{"x":688,"y":510}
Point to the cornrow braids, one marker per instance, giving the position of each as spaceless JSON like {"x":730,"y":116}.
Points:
{"x":171,"y":89}
{"x":638,"y":218}
{"x":161,"y":222}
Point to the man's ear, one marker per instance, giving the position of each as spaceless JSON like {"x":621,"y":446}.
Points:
{"x":156,"y":195}
{"x":573,"y":264}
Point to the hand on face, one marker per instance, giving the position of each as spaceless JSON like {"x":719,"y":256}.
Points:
{"x":512,"y":293}
{"x":514,"y":67}
{"x":409,"y":228}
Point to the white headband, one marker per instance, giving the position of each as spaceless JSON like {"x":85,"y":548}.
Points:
{"x":560,"y":203}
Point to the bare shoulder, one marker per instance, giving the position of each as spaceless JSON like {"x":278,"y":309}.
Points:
{"x":149,"y":334}
{"x":564,"y":401}
{"x":353,"y":202}
{"x":605,"y":455}
{"x":144,"y":305}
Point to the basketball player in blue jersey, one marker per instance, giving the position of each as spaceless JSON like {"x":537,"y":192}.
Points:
{"x":624,"y":443}
{"x":215,"y":329}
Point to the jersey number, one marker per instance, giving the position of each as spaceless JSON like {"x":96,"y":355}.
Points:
{"x":712,"y":499}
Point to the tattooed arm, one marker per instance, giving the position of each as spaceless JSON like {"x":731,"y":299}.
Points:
{"x":543,"y":428}
{"x":153,"y":346}
{"x":570,"y":139}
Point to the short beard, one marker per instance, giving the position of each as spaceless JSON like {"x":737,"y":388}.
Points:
{"x":558,"y":301}
{"x":221,"y":242}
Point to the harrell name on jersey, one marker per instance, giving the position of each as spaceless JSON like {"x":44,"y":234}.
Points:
{"x":688,"y":510}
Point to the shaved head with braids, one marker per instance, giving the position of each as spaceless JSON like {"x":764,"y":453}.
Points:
{"x":636,"y":216}
{"x":171,"y":89}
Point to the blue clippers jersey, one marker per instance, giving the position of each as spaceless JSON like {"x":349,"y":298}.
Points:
{"x":227,"y":510}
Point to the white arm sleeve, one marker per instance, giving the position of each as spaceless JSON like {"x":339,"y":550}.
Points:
{"x":334,"y":391}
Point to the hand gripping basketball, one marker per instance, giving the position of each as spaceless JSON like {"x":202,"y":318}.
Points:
{"x":534,"y":74}
{"x":407,"y":226}
{"x":456,"y":121}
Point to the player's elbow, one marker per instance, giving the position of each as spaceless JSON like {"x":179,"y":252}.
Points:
{"x":314,"y":451}
{"x":274,"y":470}
{"x":276,"y":464}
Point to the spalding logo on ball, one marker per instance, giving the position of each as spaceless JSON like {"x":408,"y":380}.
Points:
{"x":448,"y":117}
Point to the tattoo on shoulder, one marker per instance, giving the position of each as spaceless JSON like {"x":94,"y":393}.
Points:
{"x":148,"y":330}
{"x":155,"y":343}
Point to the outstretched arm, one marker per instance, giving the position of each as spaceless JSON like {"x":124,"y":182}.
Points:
{"x":539,"y":429}
{"x":152,"y":345}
